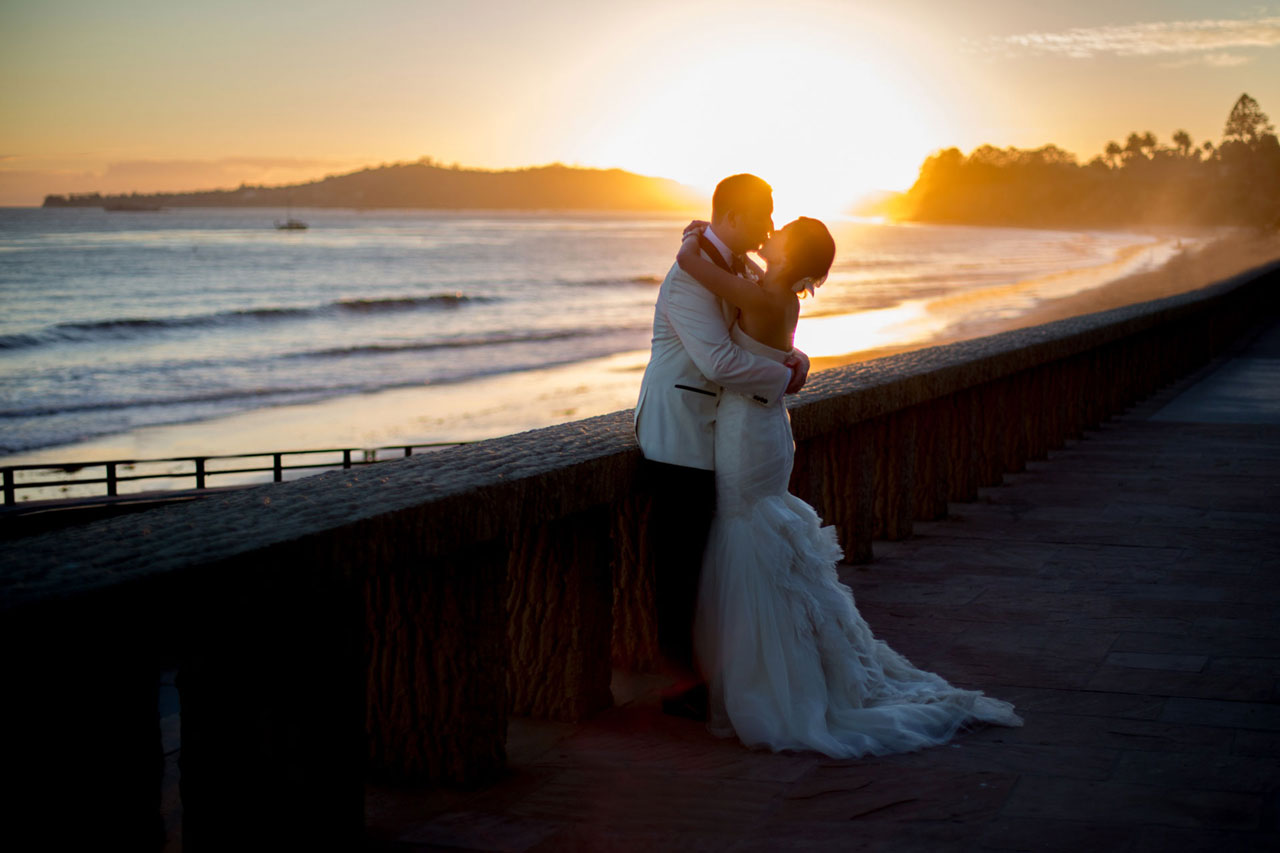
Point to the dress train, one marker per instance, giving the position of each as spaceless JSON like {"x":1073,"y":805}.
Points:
{"x":790,"y":662}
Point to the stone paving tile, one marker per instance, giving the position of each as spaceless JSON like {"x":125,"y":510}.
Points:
{"x":1231,"y":576}
{"x":1208,"y":773}
{"x":864,"y":835}
{"x":593,"y":838}
{"x":1215,"y":712}
{"x":888,"y":591}
{"x":865,"y":790}
{"x":1255,"y":629}
{"x":1043,"y":797}
{"x":1037,"y":700}
{"x":1060,"y":836}
{"x":1198,"y":594}
{"x":1246,"y":564}
{"x":991,"y":751}
{"x":1011,"y":613}
{"x":1139,"y":660}
{"x":1240,"y":688}
{"x":1047,"y":602}
{"x":1093,"y":575}
{"x":1159,"y":839}
{"x":1267,"y":667}
{"x":642,"y":736}
{"x":1157,"y":735}
{"x":1193,"y":611}
{"x":478,"y":831}
{"x":1263,"y":522}
{"x":1256,"y":743}
{"x":634,"y":799}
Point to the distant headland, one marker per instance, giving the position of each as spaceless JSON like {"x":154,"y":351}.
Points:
{"x":430,"y":185}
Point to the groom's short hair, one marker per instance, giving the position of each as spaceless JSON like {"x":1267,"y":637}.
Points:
{"x":739,"y":192}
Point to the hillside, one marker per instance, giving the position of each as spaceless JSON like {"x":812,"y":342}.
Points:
{"x":426,"y":184}
{"x":1235,"y":182}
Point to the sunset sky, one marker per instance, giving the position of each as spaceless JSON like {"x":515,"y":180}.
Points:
{"x":824,"y":99}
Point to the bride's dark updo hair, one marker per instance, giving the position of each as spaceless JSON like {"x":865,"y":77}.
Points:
{"x":810,"y":250}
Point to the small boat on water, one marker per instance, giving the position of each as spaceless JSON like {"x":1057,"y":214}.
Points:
{"x":289,"y":223}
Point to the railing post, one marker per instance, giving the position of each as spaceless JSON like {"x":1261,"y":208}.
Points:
{"x":346,"y":458}
{"x":277,"y":468}
{"x":199,"y":472}
{"x":111,"y":479}
{"x":408,"y":450}
{"x":9,"y":491}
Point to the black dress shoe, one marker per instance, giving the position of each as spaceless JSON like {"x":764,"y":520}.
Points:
{"x":690,"y":704}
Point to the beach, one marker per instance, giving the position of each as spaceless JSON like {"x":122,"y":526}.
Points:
{"x":1207,"y":263}
{"x":502,"y":361}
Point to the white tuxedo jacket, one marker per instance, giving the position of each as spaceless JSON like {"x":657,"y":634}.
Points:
{"x":692,"y":360}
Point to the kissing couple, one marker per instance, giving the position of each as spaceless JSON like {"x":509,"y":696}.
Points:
{"x":765,"y":642}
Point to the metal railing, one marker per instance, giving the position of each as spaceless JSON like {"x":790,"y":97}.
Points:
{"x":193,"y":468}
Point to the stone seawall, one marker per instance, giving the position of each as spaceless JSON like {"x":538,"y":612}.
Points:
{"x":388,"y":621}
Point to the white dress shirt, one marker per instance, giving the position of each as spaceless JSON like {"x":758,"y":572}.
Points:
{"x":725,"y":253}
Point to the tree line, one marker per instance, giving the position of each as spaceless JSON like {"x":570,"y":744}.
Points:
{"x":1142,"y":182}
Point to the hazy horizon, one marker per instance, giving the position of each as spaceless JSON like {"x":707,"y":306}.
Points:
{"x":827,"y":100}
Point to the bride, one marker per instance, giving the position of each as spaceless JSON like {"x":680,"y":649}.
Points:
{"x":789,"y":662}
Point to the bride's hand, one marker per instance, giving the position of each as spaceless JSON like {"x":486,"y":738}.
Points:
{"x":697,"y":226}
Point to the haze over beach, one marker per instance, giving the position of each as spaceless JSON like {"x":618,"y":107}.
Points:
{"x":494,"y":189}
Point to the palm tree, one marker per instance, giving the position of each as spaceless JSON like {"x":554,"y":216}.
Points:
{"x":1113,"y":152}
{"x":1247,"y":122}
{"x":1136,"y":146}
{"x":1182,"y":139}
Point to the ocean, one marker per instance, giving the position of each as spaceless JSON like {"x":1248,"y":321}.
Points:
{"x":152,"y":323}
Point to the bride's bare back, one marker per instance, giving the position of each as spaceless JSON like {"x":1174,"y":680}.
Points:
{"x":767,"y":310}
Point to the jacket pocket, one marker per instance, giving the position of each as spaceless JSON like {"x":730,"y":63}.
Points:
{"x":697,"y":390}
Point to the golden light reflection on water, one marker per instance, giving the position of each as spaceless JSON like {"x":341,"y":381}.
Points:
{"x":840,"y":334}
{"x":970,"y":313}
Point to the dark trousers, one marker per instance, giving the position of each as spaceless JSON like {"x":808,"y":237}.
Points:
{"x":684,"y":501}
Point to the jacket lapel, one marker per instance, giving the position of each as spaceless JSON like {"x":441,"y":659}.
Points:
{"x":713,"y":253}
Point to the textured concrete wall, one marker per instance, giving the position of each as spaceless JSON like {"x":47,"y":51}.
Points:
{"x":442,"y":592}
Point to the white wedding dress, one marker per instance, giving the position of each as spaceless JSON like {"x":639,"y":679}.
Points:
{"x":789,"y":661}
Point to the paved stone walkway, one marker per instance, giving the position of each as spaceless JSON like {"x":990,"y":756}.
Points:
{"x":1124,"y":594}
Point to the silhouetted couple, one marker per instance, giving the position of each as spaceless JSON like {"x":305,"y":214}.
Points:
{"x":745,"y":571}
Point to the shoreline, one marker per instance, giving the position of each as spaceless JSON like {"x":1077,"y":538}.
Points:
{"x":1192,"y":269}
{"x":504,"y":404}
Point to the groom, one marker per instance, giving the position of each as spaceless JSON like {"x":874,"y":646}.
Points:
{"x":692,"y":360}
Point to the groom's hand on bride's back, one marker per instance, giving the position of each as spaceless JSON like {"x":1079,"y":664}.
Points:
{"x":799,"y":365}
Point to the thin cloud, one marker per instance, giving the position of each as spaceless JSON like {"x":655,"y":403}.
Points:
{"x":1152,"y":39}
{"x":1213,"y":60}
